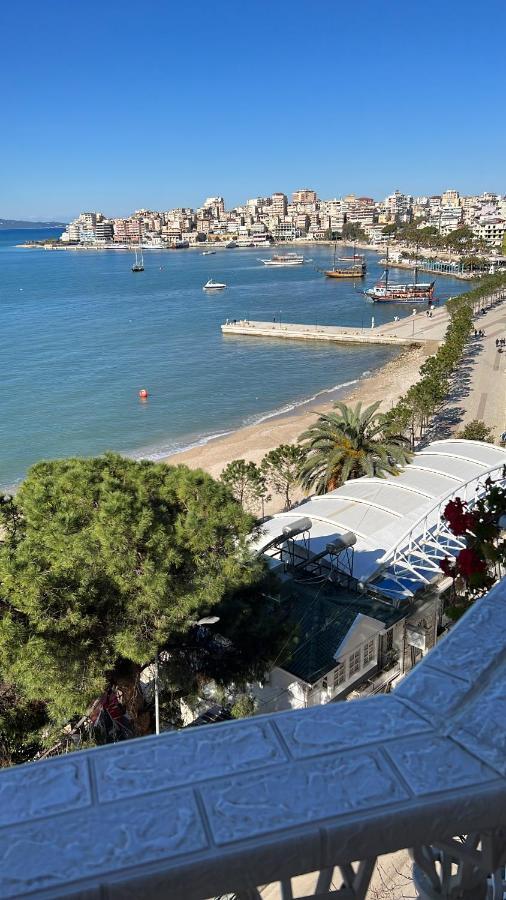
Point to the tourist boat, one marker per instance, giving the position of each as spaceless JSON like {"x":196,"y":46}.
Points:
{"x":388,"y":292}
{"x":213,"y":285}
{"x":284,"y":259}
{"x":356,"y":270}
{"x":209,"y":253}
{"x":138,"y":265}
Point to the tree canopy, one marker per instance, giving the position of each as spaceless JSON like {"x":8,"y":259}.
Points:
{"x":281,"y":468}
{"x":349,"y":443}
{"x":104,"y":562}
{"x":353,"y":231}
{"x":477,"y":431}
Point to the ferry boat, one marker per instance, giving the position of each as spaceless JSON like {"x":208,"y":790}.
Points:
{"x":284,"y":259}
{"x":415,"y":292}
{"x":214,"y":285}
{"x":356,"y":270}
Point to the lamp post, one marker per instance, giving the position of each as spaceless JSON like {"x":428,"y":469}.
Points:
{"x":207,"y":620}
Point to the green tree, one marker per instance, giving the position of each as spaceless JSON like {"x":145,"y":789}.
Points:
{"x":281,"y":468}
{"x":477,"y":431}
{"x":352,"y":231}
{"x":459,"y":238}
{"x":349,"y":443}
{"x":391,"y":228}
{"x":107,"y":561}
{"x":246,"y":482}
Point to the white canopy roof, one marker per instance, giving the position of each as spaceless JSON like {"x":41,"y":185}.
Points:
{"x":388,"y":515}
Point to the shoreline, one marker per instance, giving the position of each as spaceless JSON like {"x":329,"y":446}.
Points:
{"x":251,"y":442}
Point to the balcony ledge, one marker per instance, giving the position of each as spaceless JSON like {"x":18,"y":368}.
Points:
{"x":227,"y":807}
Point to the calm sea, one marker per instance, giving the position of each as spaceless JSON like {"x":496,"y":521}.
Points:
{"x":81,"y":334}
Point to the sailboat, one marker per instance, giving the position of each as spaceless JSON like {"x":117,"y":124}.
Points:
{"x":416,"y":292}
{"x":357,"y":270}
{"x":353,"y":258}
{"x":138,"y":265}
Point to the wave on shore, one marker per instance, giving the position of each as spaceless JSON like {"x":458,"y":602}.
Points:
{"x":159,"y":453}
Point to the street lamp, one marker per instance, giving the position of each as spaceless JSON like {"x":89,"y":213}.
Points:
{"x":207,"y":620}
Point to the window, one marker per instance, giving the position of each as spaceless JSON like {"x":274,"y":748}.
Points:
{"x":355,"y":663}
{"x":369,"y":651}
{"x":339,"y":675}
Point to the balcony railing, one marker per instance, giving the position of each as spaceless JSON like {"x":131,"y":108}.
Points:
{"x":225,"y":808}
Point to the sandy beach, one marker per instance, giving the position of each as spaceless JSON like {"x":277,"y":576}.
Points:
{"x":385,"y":385}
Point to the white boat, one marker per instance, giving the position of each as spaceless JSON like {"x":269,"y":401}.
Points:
{"x":284,"y":259}
{"x":213,"y":285}
{"x":209,"y":253}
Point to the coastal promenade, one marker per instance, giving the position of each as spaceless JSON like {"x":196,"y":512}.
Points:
{"x":480,"y":386}
{"x":416,"y":328}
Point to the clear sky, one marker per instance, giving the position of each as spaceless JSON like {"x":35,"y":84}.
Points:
{"x":117,"y":105}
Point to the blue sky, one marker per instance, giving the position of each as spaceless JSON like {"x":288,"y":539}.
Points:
{"x":117,"y":105}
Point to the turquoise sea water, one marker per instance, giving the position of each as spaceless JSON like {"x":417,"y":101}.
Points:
{"x":81,"y":334}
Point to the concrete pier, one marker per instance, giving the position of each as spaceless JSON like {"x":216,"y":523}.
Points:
{"x":414,"y":329}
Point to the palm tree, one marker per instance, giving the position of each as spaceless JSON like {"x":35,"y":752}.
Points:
{"x":348,"y":444}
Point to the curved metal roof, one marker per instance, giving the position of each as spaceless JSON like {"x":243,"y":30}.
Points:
{"x":397,"y":520}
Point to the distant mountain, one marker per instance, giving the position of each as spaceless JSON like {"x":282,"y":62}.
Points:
{"x":19,"y":223}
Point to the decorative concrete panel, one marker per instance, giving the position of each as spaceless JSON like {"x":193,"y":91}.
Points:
{"x":432,"y":765}
{"x":55,"y":853}
{"x":468,"y":652}
{"x":314,"y":731}
{"x":190,"y":756}
{"x":33,"y":791}
{"x":253,"y":805}
{"x":433,"y":692}
{"x":480,"y":727}
{"x":274,"y":796}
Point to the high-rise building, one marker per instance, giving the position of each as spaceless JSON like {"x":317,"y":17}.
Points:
{"x":450,"y":198}
{"x":279,"y":203}
{"x":305,"y":195}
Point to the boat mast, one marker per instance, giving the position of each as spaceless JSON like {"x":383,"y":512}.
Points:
{"x":335,"y":251}
{"x":416,"y":262}
{"x":386,"y":271}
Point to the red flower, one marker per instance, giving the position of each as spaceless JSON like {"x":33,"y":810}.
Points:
{"x":459,"y":520}
{"x":469,"y":563}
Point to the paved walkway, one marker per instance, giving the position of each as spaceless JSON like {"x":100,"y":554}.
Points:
{"x":479,"y":387}
{"x":487,"y":394}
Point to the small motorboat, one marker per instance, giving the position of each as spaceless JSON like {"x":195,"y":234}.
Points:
{"x":209,"y":253}
{"x":213,"y":285}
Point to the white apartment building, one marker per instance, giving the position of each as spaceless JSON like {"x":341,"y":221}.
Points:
{"x":491,"y":230}
{"x":398,"y":206}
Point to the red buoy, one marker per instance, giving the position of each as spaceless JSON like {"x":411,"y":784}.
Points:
{"x":143,"y":394}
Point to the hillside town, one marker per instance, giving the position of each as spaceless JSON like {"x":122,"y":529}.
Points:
{"x":305,"y":216}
